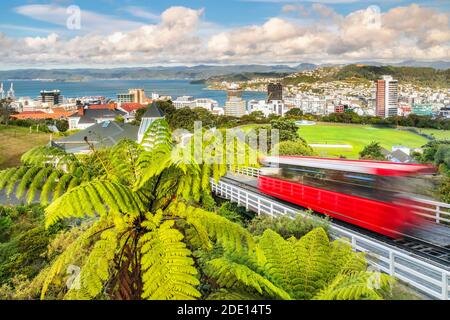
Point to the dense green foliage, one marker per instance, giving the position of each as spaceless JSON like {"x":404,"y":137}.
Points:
{"x":373,"y":151}
{"x":295,"y":148}
{"x":309,"y":268}
{"x":23,"y":242}
{"x":141,"y":233}
{"x":438,"y":153}
{"x":286,"y":226}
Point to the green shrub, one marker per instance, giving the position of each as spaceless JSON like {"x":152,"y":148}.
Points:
{"x":295,"y":148}
{"x":287,"y":227}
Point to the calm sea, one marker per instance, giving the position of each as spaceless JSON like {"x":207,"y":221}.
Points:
{"x":110,"y":88}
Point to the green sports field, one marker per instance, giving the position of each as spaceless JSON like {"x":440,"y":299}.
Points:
{"x":438,"y":134}
{"x":356,"y":136}
{"x":15,"y":141}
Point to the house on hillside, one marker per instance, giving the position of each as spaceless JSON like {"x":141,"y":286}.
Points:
{"x":100,"y":135}
{"x":398,"y":154}
{"x":130,"y":109}
{"x":107,"y":133}
{"x":86,"y":118}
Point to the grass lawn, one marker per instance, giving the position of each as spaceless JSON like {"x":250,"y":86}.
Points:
{"x":357,"y":136}
{"x":15,"y":141}
{"x":438,"y":134}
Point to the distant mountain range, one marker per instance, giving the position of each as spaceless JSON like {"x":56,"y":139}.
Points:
{"x":179,"y":72}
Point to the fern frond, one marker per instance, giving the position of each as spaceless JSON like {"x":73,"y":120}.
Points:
{"x":37,"y":183}
{"x":96,"y":269}
{"x":313,"y":254}
{"x":230,"y":295}
{"x":26,"y":180}
{"x":60,"y":264}
{"x":356,"y":286}
{"x":231,"y":236}
{"x":89,"y":199}
{"x":167,"y":265}
{"x":12,"y":181}
{"x":123,"y":157}
{"x":229,"y":274}
{"x":158,"y":133}
{"x":49,"y":187}
{"x":278,"y":259}
{"x":41,"y":156}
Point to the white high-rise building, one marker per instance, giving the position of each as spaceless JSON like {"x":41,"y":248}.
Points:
{"x":235,"y":107}
{"x":387,"y":97}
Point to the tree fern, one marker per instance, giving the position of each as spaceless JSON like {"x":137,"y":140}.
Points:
{"x":230,"y":235}
{"x":356,"y":286}
{"x":229,"y":274}
{"x":168,"y":272}
{"x":96,"y":269}
{"x":89,"y":199}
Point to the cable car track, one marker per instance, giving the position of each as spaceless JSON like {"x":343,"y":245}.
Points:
{"x":440,"y":255}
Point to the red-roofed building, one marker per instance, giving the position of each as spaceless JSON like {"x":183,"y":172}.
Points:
{"x":131,"y":107}
{"x":110,"y":106}
{"x":40,"y":115}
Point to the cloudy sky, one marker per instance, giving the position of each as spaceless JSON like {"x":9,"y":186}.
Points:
{"x":108,"y":33}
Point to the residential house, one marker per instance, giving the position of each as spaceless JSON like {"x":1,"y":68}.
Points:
{"x":107,"y":133}
{"x":86,"y":118}
{"x":99,"y":135}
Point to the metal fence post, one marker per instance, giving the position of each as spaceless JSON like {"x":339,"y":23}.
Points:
{"x":445,"y":286}
{"x":391,"y":263}
{"x":438,"y":214}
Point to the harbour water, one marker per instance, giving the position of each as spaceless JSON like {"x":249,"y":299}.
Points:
{"x":110,"y":89}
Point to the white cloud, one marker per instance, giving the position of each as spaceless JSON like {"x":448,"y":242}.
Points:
{"x":140,"y":12}
{"x":181,"y":35}
{"x":90,"y":21}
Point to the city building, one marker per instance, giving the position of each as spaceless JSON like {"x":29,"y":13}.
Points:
{"x":235,"y":107}
{"x":386,"y":97}
{"x":234,"y":91}
{"x":133,"y":96}
{"x":267,"y":108}
{"x":445,"y":112}
{"x":52,"y":98}
{"x":422,"y":109}
{"x":205,"y":103}
{"x":274,"y":92}
{"x":184,"y":102}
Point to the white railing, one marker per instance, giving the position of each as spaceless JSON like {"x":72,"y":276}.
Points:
{"x":438,"y":212}
{"x":247,"y":171}
{"x":423,"y":275}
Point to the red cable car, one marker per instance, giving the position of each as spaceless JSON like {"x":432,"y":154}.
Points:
{"x":373,"y":195}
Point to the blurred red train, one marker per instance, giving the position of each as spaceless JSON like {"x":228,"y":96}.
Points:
{"x":374,"y":195}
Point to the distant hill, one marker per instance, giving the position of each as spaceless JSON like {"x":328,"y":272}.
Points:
{"x":413,"y":75}
{"x":158,"y":73}
{"x":424,"y":74}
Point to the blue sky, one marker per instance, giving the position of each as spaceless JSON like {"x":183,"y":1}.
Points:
{"x":227,"y":13}
{"x":156,"y":32}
